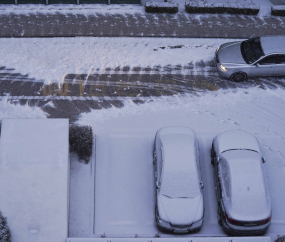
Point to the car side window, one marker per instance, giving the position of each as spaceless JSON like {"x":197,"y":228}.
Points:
{"x":281,"y":59}
{"x":269,"y":60}
{"x":225,"y":177}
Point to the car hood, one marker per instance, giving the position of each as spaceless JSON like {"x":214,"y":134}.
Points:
{"x":230,"y":53}
{"x":180,"y":211}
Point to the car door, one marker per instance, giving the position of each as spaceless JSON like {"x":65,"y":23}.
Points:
{"x":217,"y":181}
{"x":280,"y":66}
{"x":265,"y":67}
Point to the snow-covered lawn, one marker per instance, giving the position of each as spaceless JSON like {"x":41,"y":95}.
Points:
{"x":124,"y":180}
{"x":51,"y":59}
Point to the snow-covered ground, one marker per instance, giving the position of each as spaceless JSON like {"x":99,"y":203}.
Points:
{"x":51,"y":59}
{"x":124,"y":180}
{"x":15,"y":110}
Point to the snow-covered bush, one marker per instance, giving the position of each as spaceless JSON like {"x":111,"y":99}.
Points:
{"x":161,"y":7}
{"x":195,"y":6}
{"x":278,"y":10}
{"x":5,"y":235}
{"x":280,"y":239}
{"x":81,"y":141}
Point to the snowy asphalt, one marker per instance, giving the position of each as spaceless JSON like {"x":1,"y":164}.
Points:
{"x":136,"y":24}
{"x":81,"y":93}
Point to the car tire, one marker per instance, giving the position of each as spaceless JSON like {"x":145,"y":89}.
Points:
{"x":213,"y":154}
{"x":238,"y":77}
{"x":219,"y":215}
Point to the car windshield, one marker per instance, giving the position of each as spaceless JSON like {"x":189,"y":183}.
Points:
{"x":180,"y":185}
{"x":251,"y":50}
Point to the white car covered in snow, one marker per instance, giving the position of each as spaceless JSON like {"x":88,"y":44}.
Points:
{"x":244,"y":206}
{"x":179,"y":197}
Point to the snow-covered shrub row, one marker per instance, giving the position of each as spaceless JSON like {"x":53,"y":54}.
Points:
{"x":5,"y":235}
{"x":278,"y":10}
{"x":193,"y":6}
{"x":81,"y":141}
{"x":161,"y":7}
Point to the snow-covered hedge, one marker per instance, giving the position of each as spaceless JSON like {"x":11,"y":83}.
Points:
{"x":161,"y":7}
{"x":278,"y":10}
{"x":81,"y":141}
{"x":194,"y":6}
{"x":5,"y":235}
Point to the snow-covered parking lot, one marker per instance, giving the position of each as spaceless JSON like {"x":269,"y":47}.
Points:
{"x":113,"y":195}
{"x":124,"y":179}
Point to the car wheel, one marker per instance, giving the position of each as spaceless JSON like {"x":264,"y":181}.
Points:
{"x":238,"y":76}
{"x":219,"y":215}
{"x":213,"y":154}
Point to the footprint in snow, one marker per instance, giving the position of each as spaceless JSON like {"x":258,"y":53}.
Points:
{"x":267,"y":147}
{"x":196,"y":112}
{"x":210,"y":113}
{"x":280,"y":153}
{"x":228,"y":120}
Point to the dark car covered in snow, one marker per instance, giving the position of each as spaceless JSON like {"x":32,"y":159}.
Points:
{"x":179,"y":198}
{"x":244,"y":206}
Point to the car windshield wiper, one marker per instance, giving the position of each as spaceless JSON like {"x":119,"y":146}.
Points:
{"x":240,"y":149}
{"x":176,"y":197}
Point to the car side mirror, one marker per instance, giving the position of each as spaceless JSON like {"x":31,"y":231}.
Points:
{"x":257,"y":65}
{"x":263,"y":160}
{"x":218,"y":159}
{"x":201,"y":185}
{"x":157,"y":185}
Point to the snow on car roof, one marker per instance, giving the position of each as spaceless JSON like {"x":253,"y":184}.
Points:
{"x":236,"y":139}
{"x":180,"y":172}
{"x":273,"y":44}
{"x":248,"y":199}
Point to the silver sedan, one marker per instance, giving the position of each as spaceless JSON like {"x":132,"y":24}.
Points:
{"x":262,"y":56}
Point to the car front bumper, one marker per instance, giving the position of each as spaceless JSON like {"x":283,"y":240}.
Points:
{"x":194,"y":227}
{"x":226,"y":74}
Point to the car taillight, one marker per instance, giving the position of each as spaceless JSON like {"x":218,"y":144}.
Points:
{"x":234,"y":222}
{"x":246,"y":223}
{"x":264,"y":221}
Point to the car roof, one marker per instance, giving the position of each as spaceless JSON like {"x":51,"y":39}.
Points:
{"x":180,"y":171}
{"x":248,"y":190}
{"x":236,"y":139}
{"x":273,"y":44}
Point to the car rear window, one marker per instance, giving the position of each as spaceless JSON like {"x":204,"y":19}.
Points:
{"x":251,"y":50}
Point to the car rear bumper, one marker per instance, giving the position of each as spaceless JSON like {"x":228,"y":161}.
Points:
{"x":243,"y":230}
